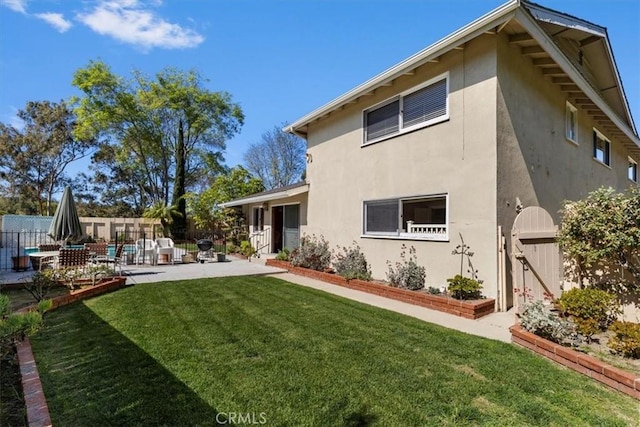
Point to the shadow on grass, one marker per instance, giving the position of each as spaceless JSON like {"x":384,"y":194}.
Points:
{"x":96,"y":376}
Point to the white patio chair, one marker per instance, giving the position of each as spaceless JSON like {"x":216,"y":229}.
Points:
{"x":145,"y":249}
{"x":165,"y":247}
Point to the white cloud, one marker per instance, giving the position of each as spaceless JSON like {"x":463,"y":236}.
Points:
{"x":15,"y":5}
{"x":126,"y":21}
{"x":56,"y":20}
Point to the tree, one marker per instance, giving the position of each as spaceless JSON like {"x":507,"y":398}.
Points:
{"x":278,"y":159}
{"x":237,"y":183}
{"x":162,"y":130}
{"x":33,"y":160}
{"x":603,"y":228}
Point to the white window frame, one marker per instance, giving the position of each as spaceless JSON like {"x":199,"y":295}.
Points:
{"x":570,"y":110}
{"x":633,"y":165}
{"x":607,"y":155}
{"x":400,"y":97}
{"x":257,"y":217}
{"x":437,"y":235}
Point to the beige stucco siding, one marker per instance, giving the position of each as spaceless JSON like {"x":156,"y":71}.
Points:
{"x":457,"y":157}
{"x":536,"y":163}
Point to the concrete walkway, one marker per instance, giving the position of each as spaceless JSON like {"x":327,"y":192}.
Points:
{"x":495,"y":326}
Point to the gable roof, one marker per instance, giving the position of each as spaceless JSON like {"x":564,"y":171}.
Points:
{"x":575,"y":54}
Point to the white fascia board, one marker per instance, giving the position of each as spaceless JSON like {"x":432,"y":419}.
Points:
{"x":266,"y":197}
{"x":492,"y":19}
{"x":546,"y":15}
{"x":556,"y":54}
{"x":553,"y":17}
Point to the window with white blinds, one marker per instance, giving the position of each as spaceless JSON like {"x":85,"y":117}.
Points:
{"x":421,"y":106}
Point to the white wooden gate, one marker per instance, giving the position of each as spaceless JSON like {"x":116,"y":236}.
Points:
{"x":536,"y":262}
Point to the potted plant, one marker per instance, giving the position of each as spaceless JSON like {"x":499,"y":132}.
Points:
{"x":20,"y":260}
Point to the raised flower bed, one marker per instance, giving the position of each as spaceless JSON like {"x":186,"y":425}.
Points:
{"x":472,"y":309}
{"x":590,"y":366}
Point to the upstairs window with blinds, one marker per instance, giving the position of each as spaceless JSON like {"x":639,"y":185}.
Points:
{"x":422,"y":106}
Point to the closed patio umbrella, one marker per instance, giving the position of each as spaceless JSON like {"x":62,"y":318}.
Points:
{"x":66,"y":223}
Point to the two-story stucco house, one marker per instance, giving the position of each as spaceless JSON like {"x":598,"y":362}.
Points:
{"x":522,"y":107}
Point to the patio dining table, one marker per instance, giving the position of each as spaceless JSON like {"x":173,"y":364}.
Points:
{"x":37,"y":258}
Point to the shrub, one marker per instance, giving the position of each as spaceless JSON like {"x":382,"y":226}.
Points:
{"x":15,"y":326}
{"x":407,"y":273}
{"x":591,"y":309}
{"x":247,"y":249}
{"x":352,"y":264}
{"x":537,"y":318}
{"x":464,"y":287}
{"x":626,"y":339}
{"x":434,"y":291}
{"x":40,"y":284}
{"x":313,"y":253}
{"x":283,"y":255}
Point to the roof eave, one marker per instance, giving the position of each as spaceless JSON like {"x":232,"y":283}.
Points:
{"x":260,"y":198}
{"x":528,"y":22}
{"x":492,"y":19}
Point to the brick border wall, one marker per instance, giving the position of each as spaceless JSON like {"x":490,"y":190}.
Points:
{"x":34,"y":398}
{"x":590,"y":366}
{"x":467,"y":309}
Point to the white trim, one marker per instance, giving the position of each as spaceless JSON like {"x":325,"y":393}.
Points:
{"x":468,"y":32}
{"x":630,"y":162}
{"x":569,"y":107}
{"x":400,"y":233}
{"x":593,"y":148}
{"x":400,"y":97}
{"x":267,"y":197}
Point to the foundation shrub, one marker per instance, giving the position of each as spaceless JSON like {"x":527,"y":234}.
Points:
{"x":591,"y":309}
{"x":283,"y":255}
{"x":536,"y":317}
{"x":407,"y":274}
{"x":313,"y":253}
{"x":351,"y":263}
{"x":464,"y":288}
{"x":247,"y":249}
{"x":625,"y":339}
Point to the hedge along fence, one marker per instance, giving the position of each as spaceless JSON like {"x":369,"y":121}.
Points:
{"x":590,"y":366}
{"x":473,"y":309}
{"x":34,"y":398}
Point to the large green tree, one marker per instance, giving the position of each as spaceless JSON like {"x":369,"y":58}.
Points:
{"x":34,"y":158}
{"x":163,"y":130}
{"x":235,"y":184}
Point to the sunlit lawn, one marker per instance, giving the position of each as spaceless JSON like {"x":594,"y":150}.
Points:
{"x":186,"y":353}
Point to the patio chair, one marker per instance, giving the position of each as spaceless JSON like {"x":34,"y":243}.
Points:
{"x":145,"y":248}
{"x":117,"y":259}
{"x":165,"y":248}
{"x":97,"y":251}
{"x":73,"y":258}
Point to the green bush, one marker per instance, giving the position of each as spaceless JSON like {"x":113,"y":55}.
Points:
{"x":283,"y":255}
{"x":16,"y":326}
{"x":407,"y":274}
{"x":352,"y":264}
{"x":464,"y":288}
{"x":313,"y":253}
{"x":626,"y":339}
{"x":41,"y":283}
{"x":591,"y":309}
{"x":247,"y":249}
{"x":537,"y":318}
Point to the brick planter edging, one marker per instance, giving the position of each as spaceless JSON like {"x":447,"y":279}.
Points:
{"x":590,"y":366}
{"x":34,"y":398}
{"x":467,"y":309}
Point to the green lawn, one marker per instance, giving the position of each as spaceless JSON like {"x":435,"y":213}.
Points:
{"x":186,"y":353}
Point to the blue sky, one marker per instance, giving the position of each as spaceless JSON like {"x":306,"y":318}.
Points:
{"x":279,"y":59}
